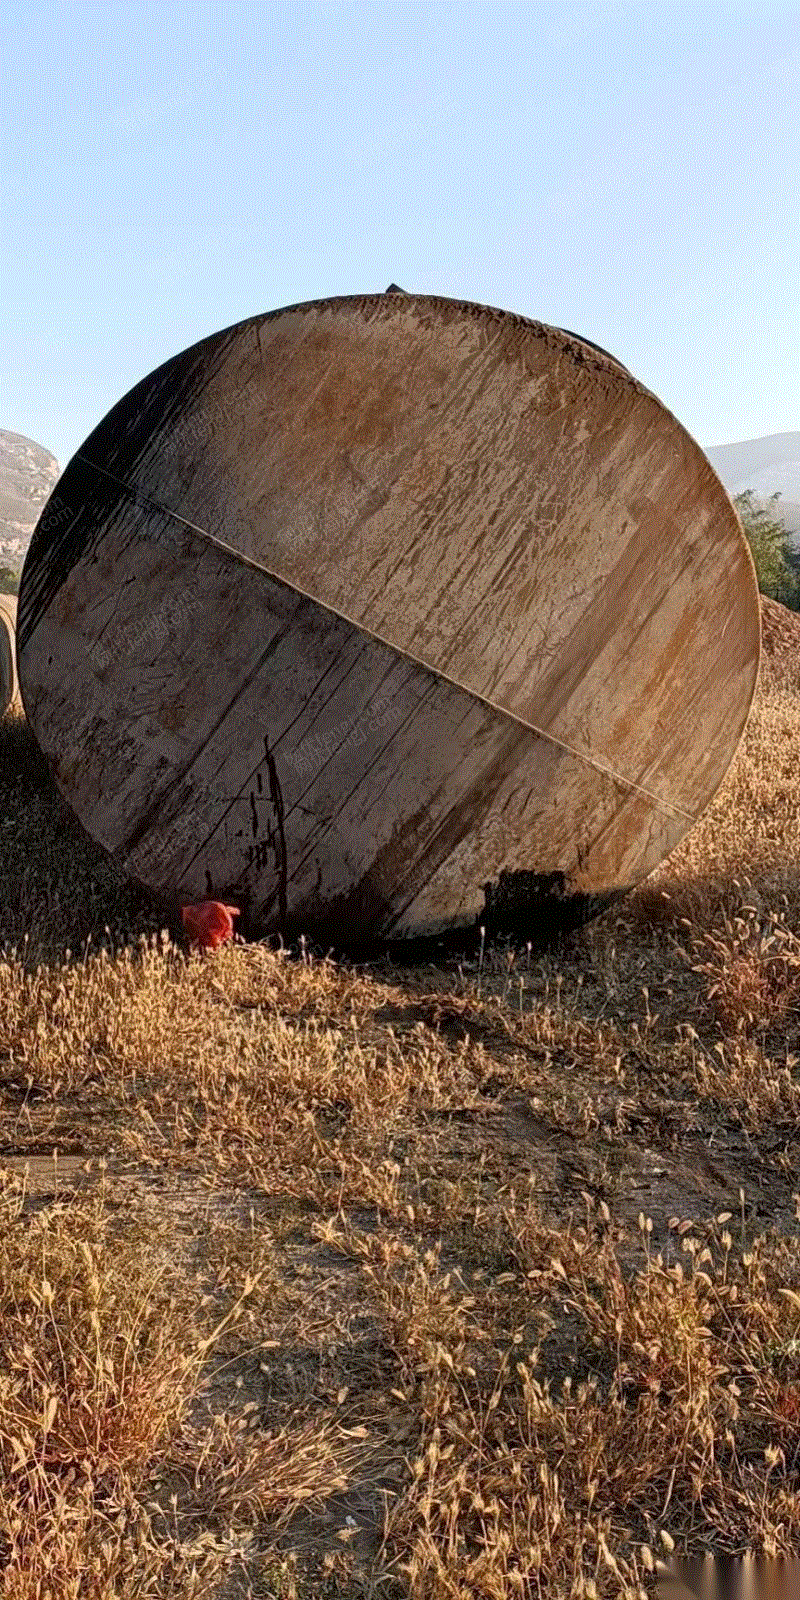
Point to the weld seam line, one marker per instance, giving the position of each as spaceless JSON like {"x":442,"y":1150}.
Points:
{"x":595,"y":762}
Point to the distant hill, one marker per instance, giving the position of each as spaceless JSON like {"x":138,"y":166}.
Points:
{"x":767,"y":466}
{"x":27,"y":476}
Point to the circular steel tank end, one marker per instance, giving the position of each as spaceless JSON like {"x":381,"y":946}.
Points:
{"x":385,"y":616}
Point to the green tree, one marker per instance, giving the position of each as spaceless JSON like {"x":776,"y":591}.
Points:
{"x":9,"y":580}
{"x":776,"y":563}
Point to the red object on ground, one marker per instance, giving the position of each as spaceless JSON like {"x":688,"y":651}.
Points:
{"x":209,"y":923}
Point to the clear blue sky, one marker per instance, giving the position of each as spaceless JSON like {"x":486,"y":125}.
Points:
{"x":629,"y":171}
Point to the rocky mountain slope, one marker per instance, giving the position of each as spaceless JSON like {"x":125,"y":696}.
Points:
{"x":27,"y":476}
{"x":767,"y":466}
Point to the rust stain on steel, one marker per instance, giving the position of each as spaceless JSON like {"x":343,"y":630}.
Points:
{"x":486,"y":596}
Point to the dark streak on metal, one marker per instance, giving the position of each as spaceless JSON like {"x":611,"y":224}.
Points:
{"x":256,"y":771}
{"x":55,"y":548}
{"x":154,"y":809}
{"x":281,"y":859}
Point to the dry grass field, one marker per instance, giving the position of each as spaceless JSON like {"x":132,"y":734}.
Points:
{"x":478,"y":1279}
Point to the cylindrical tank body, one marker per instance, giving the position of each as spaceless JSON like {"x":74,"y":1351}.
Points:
{"x":9,"y":688}
{"x":376,"y":616}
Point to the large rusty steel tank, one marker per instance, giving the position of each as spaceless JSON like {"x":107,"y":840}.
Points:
{"x":9,"y":689}
{"x":387,"y":615}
